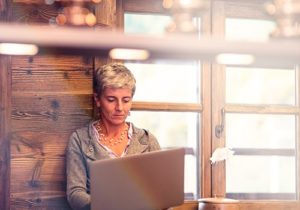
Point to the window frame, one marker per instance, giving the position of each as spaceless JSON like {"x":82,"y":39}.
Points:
{"x":211,"y":179}
{"x":242,"y":9}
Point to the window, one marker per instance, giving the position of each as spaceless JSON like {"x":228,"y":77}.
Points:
{"x":258,"y":106}
{"x":259,"y":115}
{"x":264,"y":164}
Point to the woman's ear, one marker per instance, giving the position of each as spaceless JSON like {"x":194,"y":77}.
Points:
{"x":97,"y":99}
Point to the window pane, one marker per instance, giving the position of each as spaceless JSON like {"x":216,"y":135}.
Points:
{"x":264,"y":173}
{"x":174,"y":129}
{"x":162,"y":81}
{"x":260,"y":174}
{"x":264,"y":165}
{"x":146,"y":23}
{"x":260,"y":86}
{"x":165,"y":82}
{"x":260,"y":131}
{"x":248,"y":29}
{"x":151,"y":24}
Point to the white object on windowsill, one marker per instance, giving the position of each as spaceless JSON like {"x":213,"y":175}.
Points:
{"x":220,"y":154}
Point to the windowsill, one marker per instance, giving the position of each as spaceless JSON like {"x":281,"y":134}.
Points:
{"x":252,"y":205}
{"x":241,"y":205}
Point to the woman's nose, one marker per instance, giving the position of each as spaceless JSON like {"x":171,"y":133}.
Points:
{"x":119,"y":106}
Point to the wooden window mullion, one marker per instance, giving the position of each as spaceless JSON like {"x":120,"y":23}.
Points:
{"x":218,"y":101}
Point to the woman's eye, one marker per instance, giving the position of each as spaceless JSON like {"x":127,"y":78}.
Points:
{"x":126,"y":100}
{"x":110,"y":99}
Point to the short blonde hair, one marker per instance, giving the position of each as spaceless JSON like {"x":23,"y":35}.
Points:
{"x":114,"y":75}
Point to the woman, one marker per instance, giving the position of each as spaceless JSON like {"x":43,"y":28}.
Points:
{"x":108,"y":137}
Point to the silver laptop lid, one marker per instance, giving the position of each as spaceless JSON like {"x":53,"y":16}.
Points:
{"x":148,"y":181}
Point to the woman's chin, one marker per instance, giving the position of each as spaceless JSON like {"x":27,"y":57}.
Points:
{"x":118,"y":121}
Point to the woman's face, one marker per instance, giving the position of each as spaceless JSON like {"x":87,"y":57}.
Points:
{"x":114,"y":104}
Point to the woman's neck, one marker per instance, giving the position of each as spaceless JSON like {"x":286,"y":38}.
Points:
{"x":112,"y":130}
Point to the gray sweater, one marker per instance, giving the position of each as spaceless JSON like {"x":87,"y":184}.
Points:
{"x":84,"y":148}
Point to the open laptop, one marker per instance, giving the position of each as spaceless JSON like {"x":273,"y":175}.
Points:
{"x":149,"y":181}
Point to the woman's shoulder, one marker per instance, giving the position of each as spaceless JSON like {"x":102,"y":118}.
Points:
{"x":82,"y":130}
{"x":143,"y":135}
{"x":139,"y":131}
{"x":81,"y":134}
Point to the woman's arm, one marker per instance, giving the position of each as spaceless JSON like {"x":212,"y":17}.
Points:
{"x":77,"y":192}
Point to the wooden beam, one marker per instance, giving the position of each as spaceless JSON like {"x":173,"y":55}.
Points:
{"x":261,"y":109}
{"x":5,"y":107}
{"x":87,"y":41}
{"x":160,"y":106}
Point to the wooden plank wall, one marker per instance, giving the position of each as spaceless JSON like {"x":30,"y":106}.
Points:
{"x":49,"y":97}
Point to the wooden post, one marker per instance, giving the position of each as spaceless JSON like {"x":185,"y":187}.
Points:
{"x":2,"y":5}
{"x":5,"y":109}
{"x":106,"y":15}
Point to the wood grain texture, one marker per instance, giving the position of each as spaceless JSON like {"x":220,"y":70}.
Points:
{"x":63,"y":81}
{"x":218,"y":102}
{"x":51,"y":97}
{"x":187,"y":205}
{"x":38,"y":145}
{"x":266,"y":205}
{"x":50,"y":112}
{"x":105,"y":13}
{"x":32,"y":13}
{"x":206,"y":144}
{"x":33,"y":202}
{"x":52,"y":62}
{"x":251,"y":205}
{"x":41,"y":185}
{"x":5,"y":108}
{"x":61,"y":74}
{"x":160,"y":106}
{"x":261,"y":109}
{"x":144,"y":6}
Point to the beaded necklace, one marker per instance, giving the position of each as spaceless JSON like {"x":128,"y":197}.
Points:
{"x":112,"y":141}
